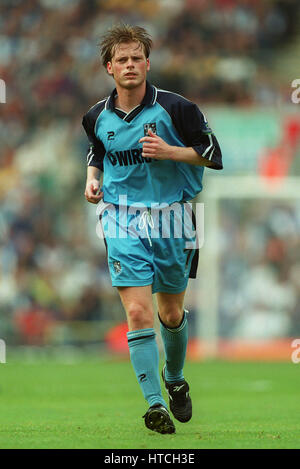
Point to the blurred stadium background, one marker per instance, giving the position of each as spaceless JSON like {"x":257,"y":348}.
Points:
{"x":235,"y":58}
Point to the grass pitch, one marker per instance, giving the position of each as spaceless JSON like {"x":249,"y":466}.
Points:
{"x":98,"y":404}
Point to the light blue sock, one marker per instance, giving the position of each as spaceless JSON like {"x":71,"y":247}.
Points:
{"x":144,"y":357}
{"x":175,"y":343}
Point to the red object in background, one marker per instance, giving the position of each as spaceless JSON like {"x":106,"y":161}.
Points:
{"x":276,"y":250}
{"x":33,"y":325}
{"x":292,"y":131}
{"x":276,"y":162}
{"x":116,"y":338}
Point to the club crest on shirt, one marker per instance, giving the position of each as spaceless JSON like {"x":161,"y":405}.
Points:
{"x":151,"y":126}
{"x":117,"y":266}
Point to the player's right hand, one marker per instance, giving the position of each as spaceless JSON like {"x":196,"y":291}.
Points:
{"x":92,"y":193}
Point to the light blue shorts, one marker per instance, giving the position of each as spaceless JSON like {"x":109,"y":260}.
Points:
{"x":154,"y":246}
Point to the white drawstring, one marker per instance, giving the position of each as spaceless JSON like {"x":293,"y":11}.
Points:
{"x":145,"y":220}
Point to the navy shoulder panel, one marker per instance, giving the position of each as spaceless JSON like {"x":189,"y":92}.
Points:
{"x":185,"y":114}
{"x":89,"y":119}
{"x":96,"y":149}
{"x":169,"y":98}
{"x":191,"y":126}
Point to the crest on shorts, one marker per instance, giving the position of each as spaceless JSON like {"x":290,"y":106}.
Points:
{"x":117,"y":266}
{"x":151,"y":126}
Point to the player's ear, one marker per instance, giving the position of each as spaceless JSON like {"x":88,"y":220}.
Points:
{"x":109,"y":68}
{"x":148,"y":64}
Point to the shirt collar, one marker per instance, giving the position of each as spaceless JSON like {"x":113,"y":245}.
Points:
{"x":148,"y":100}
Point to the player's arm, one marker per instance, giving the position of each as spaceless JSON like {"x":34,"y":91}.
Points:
{"x":155,"y":147}
{"x":201,"y":147}
{"x":197,"y":134}
{"x":92,"y":188}
{"x":94,"y":159}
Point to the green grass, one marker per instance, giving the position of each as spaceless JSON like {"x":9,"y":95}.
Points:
{"x":98,"y":404}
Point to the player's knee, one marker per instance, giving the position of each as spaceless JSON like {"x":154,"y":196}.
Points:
{"x":171,"y":317}
{"x":139,"y":317}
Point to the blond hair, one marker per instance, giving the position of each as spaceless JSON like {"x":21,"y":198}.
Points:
{"x":123,"y":33}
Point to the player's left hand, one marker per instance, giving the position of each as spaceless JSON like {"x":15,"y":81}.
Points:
{"x":155,"y":147}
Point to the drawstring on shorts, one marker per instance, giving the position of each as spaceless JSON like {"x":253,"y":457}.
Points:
{"x":145,"y":221}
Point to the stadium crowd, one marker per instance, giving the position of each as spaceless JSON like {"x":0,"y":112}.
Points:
{"x":52,"y":266}
{"x":260,"y":269}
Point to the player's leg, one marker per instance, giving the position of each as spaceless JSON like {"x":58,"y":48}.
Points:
{"x":138,"y":305}
{"x":137,"y":302}
{"x":174,"y":332}
{"x":130,"y":266}
{"x":144,"y":355}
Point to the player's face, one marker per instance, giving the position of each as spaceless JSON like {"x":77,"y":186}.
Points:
{"x":129,"y":65}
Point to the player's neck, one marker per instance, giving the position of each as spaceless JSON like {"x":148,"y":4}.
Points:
{"x":128,"y":99}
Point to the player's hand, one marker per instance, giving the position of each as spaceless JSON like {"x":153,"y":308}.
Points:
{"x":155,"y":147}
{"x":92,"y":193}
